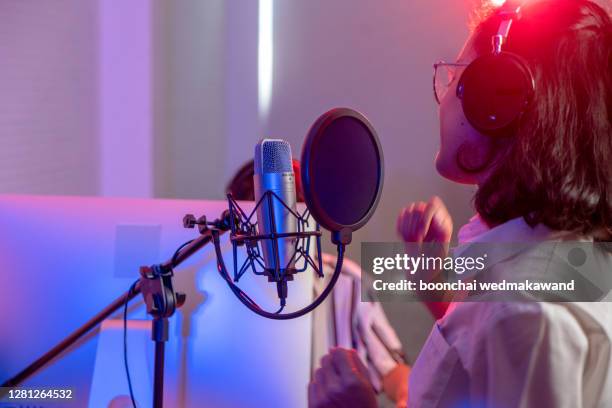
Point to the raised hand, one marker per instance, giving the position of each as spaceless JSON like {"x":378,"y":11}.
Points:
{"x":425,"y":222}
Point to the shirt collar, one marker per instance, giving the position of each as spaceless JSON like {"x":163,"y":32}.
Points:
{"x":514,"y":230}
{"x":516,"y":234}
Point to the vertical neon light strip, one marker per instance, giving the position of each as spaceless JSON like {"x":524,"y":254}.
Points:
{"x":265,"y":56}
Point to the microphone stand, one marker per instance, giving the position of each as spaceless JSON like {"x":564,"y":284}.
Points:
{"x":156,"y":287}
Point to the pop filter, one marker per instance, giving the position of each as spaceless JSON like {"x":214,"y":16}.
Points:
{"x":342,"y":172}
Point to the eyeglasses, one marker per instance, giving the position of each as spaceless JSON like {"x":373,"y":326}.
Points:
{"x":444,"y":75}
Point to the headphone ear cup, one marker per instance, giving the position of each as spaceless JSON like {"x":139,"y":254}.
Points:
{"x":494,"y":91}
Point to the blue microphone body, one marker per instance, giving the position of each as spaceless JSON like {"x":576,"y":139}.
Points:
{"x":274,"y":172}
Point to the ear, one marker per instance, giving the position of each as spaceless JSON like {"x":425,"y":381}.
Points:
{"x":476,"y":156}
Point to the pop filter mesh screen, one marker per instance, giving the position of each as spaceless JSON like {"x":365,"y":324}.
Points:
{"x":345,"y":170}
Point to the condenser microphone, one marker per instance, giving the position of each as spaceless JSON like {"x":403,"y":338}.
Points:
{"x":274,"y":173}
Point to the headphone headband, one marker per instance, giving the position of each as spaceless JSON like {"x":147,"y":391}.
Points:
{"x":508,"y":12}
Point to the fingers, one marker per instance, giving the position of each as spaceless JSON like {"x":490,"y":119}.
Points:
{"x":360,"y":366}
{"x":315,"y":396}
{"x":431,"y":209}
{"x":441,"y":228}
{"x":322,"y":392}
{"x":425,"y":222}
{"x":409,"y":221}
{"x":403,"y":222}
{"x":341,"y":381}
{"x":400,"y":222}
{"x":418,"y":227}
{"x":329,"y":374}
{"x":348,"y":364}
{"x":441,"y":224}
{"x":326,"y":386}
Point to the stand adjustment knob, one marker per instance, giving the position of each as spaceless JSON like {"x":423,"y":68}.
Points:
{"x":189,"y":221}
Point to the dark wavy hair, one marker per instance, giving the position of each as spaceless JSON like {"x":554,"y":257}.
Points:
{"x":557,"y":168}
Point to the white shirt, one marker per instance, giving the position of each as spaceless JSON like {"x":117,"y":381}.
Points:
{"x":516,"y":354}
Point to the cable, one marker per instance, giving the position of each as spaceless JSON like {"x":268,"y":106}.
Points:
{"x":125,"y":354}
{"x":249,"y":303}
{"x":178,"y":250}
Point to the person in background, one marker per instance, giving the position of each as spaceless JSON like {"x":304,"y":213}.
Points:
{"x":343,"y":320}
{"x":548,"y":180}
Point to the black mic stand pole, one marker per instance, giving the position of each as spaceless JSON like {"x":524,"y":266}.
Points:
{"x":155,"y":285}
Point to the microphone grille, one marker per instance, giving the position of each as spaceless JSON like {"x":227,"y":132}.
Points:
{"x":273,"y":156}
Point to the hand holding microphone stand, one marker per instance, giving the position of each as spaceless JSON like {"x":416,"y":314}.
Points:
{"x":340,"y":200}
